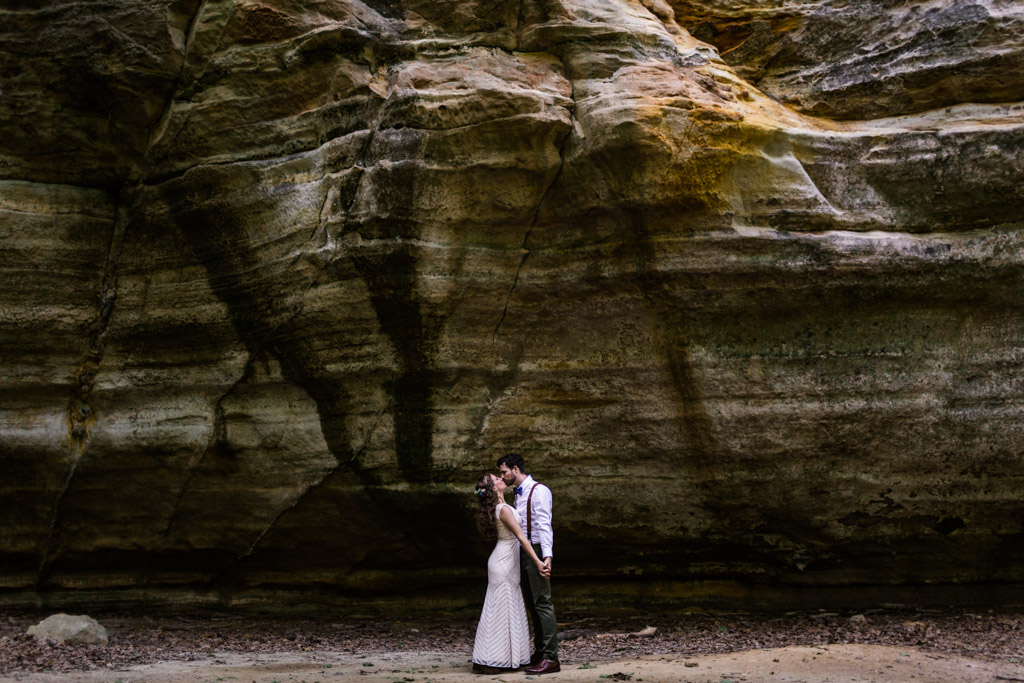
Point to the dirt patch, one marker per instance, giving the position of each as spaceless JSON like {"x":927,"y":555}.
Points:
{"x":880,"y":646}
{"x":806,"y":664}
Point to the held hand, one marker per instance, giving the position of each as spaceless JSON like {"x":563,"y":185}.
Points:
{"x":547,"y":563}
{"x":544,"y":569}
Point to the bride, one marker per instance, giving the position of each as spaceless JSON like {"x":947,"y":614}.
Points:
{"x":503,"y":634}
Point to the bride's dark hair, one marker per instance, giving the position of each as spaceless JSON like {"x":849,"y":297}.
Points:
{"x":487,"y":500}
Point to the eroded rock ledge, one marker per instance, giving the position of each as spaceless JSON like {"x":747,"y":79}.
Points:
{"x":284,"y":278}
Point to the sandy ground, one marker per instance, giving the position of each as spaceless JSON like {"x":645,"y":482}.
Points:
{"x":806,"y":664}
{"x":880,"y":645}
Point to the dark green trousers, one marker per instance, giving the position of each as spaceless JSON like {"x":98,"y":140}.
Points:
{"x":537,"y":596}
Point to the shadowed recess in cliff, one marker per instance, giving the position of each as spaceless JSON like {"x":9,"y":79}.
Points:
{"x":375,"y":533}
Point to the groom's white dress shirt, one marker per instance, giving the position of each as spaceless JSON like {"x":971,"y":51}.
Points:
{"x":541,"y":517}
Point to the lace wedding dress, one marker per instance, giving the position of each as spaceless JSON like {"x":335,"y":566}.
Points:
{"x":503,"y":634}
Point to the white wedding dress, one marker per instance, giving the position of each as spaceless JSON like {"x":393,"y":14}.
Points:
{"x":503,"y":634}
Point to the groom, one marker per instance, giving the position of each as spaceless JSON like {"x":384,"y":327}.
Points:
{"x":533,"y":503}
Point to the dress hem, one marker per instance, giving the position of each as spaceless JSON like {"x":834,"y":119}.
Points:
{"x":503,"y":665}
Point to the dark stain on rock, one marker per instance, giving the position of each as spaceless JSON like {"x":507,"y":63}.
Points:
{"x":217,"y":238}
{"x":391,"y":278}
{"x":671,"y":327}
{"x":301,"y":364}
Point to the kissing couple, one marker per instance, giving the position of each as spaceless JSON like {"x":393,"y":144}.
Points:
{"x":518,"y":580}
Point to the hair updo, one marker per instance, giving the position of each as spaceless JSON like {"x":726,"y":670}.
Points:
{"x":487,"y":500}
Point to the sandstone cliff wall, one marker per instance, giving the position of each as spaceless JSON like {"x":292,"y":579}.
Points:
{"x":742,"y":280}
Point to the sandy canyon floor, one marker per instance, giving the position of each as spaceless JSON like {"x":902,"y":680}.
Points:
{"x":902,"y":645}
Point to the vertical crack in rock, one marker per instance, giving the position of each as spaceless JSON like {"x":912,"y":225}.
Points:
{"x":81,"y":415}
{"x":500,"y":382}
{"x":320,"y":225}
{"x":156,"y":132}
{"x":216,"y":440}
{"x":515,"y":280}
{"x":159,"y":129}
{"x":562,"y":150}
{"x":366,"y":439}
{"x":519,"y":24}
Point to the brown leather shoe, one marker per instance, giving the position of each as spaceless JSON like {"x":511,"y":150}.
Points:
{"x":484,"y":669}
{"x":546,"y":666}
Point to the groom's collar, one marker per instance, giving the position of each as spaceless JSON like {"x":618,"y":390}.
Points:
{"x":526,"y":482}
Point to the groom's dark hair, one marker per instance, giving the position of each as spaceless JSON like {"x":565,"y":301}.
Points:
{"x":511,"y":460}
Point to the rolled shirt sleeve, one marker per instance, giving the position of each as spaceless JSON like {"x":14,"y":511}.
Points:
{"x":542,"y":532}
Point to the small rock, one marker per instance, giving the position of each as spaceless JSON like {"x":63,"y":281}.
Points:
{"x":66,"y":628}
{"x":691,"y":664}
{"x":858,"y":619}
{"x":649,"y":632}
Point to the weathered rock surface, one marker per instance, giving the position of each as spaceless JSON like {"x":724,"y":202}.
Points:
{"x":73,"y":630}
{"x":285,"y":277}
{"x":858,"y":60}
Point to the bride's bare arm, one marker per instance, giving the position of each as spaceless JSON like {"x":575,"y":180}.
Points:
{"x":509,"y":520}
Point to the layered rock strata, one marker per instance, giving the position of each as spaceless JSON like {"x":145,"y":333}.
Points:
{"x":284,"y":278}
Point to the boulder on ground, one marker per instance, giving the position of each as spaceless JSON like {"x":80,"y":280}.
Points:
{"x":66,"y":628}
